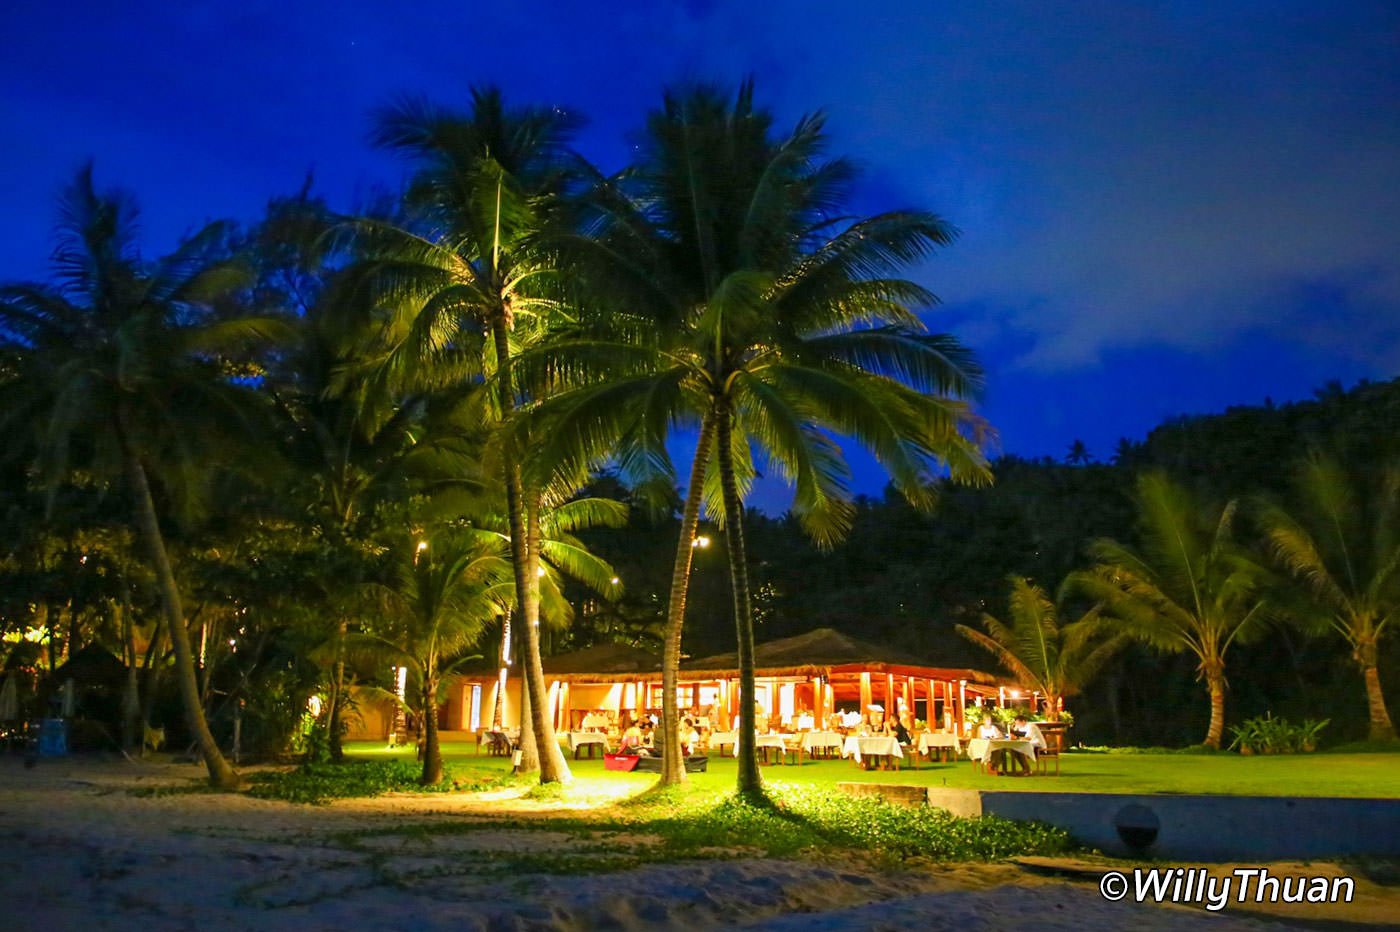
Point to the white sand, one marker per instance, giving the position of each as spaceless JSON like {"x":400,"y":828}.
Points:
{"x":81,"y":852}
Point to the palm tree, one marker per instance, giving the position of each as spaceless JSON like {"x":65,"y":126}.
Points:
{"x":357,"y":445}
{"x":447,"y":588}
{"x":1056,"y":660}
{"x":1078,"y":454}
{"x":1188,"y":588}
{"x":1341,"y":545}
{"x":131,"y":360}
{"x":736,"y":300}
{"x":466,"y":288}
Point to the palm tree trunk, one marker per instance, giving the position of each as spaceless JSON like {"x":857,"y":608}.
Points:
{"x":750,"y":784}
{"x":498,"y":713}
{"x":432,"y":751}
{"x":1215,"y":682}
{"x":131,"y":695}
{"x":528,"y":747}
{"x":672,"y":761}
{"x":553,"y":767}
{"x":333,"y":714}
{"x":1382,"y":729}
{"x":220,"y":773}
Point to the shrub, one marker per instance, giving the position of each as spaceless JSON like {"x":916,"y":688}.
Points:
{"x":1269,"y":735}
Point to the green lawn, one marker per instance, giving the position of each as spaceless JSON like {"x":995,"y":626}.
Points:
{"x":1374,"y":775}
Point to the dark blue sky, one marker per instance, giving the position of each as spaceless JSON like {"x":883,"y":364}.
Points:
{"x":1165,"y":208}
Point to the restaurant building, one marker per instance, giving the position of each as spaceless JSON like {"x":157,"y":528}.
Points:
{"x":797,"y":679}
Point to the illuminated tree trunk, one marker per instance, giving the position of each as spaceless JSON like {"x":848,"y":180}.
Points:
{"x":750,"y":784}
{"x":337,"y":698}
{"x":553,"y":769}
{"x":1381,"y":728}
{"x":673,"y":760}
{"x":432,"y":751}
{"x":1215,"y":683}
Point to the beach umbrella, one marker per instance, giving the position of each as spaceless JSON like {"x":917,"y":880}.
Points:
{"x":9,"y":700}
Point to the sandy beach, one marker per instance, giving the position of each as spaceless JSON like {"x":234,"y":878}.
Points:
{"x":82,"y":851}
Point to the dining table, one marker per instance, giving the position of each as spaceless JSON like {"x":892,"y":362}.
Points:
{"x":719,"y":739}
{"x":864,"y":748}
{"x":813,"y":741}
{"x":772,"y":741}
{"x":577,"y":740}
{"x":931,"y":742}
{"x":982,"y":750}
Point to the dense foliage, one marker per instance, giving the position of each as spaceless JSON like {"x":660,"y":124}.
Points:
{"x":222,"y":464}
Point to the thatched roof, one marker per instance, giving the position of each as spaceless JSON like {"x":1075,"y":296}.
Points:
{"x":823,"y":649}
{"x":604,"y":658}
{"x":92,"y":665}
{"x":609,"y":661}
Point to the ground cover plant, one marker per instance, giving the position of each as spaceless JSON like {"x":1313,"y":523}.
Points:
{"x":322,"y":782}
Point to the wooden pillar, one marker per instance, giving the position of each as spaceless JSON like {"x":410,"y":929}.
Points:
{"x":865,"y":698}
{"x":1001,"y":696}
{"x":817,"y":696}
{"x":962,"y":706}
{"x":890,"y":707}
{"x":909,"y":696}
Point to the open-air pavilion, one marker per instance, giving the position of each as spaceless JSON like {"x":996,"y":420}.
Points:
{"x":810,"y":675}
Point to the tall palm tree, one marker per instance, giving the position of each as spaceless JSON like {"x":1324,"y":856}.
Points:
{"x":466,"y":288}
{"x":132,"y":361}
{"x":737,"y":300}
{"x":1043,"y":655}
{"x":1341,"y":545}
{"x":447,"y":589}
{"x":1189,"y":587}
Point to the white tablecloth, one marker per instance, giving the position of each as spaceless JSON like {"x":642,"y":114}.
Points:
{"x":820,"y":739}
{"x":719,"y":739}
{"x":981,"y":748}
{"x":577,"y":739}
{"x":773,"y":741}
{"x":938,"y":739}
{"x":856,"y":746}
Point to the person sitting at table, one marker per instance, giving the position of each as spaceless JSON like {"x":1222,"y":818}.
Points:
{"x":899,"y":731}
{"x":989,"y":729}
{"x":689,"y":737}
{"x":631,"y":738}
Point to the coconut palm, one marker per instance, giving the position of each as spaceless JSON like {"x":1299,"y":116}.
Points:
{"x":1042,"y":654}
{"x":736,"y":300}
{"x":447,"y":589}
{"x":1189,"y":587}
{"x":131,"y":360}
{"x":463,"y":288}
{"x":1341,"y":546}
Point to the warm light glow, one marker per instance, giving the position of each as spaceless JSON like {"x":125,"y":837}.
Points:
{"x":539,"y":571}
{"x":615,"y":580}
{"x":313,"y":705}
{"x":422,"y":545}
{"x":702,"y":542}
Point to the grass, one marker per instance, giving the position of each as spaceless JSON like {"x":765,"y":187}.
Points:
{"x":315,"y":784}
{"x":1326,"y":774}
